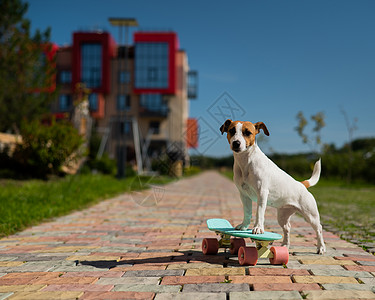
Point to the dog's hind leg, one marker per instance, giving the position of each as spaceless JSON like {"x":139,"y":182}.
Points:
{"x":311,"y":214}
{"x":283,"y":217}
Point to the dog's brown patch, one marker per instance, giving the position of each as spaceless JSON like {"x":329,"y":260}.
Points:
{"x":306,"y":183}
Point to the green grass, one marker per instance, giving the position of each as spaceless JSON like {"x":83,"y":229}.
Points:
{"x":26,"y":203}
{"x":348,"y":210}
{"x":345,"y":209}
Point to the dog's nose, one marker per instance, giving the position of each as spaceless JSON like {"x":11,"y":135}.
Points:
{"x":236,"y":145}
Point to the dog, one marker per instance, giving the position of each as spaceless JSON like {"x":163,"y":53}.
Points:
{"x":260,"y":180}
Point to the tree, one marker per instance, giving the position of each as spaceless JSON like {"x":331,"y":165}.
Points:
{"x":25,"y":70}
{"x":314,"y":141}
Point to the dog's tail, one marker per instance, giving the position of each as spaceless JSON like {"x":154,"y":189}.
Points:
{"x":314,"y":177}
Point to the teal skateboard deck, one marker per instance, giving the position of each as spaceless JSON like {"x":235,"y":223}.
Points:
{"x":223,"y":226}
{"x":246,"y":255}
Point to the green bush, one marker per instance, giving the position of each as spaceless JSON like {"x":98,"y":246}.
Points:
{"x":46,"y":148}
{"x":193,"y":170}
{"x":104,"y":165}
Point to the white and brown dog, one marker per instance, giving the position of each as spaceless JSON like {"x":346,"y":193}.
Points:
{"x":261,"y":180}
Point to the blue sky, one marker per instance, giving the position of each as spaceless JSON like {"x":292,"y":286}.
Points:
{"x":257,"y":60}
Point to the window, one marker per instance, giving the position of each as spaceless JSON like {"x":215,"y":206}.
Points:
{"x":93,"y":102}
{"x":151,"y":65}
{"x":126,"y":128}
{"x":124,"y":77}
{"x":123,"y":102}
{"x":154,"y":103}
{"x":192,"y":84}
{"x":65,"y":77}
{"x":152,"y":73}
{"x":155,"y":127}
{"x":65,"y":103}
{"x":91,"y":65}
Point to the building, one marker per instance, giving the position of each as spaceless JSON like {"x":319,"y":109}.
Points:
{"x":138,"y":95}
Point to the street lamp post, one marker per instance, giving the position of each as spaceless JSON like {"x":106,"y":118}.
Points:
{"x":123,"y":23}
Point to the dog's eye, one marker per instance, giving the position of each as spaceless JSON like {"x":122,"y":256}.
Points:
{"x":232,"y":131}
{"x":247,"y":133}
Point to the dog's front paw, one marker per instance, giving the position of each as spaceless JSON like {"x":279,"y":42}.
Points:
{"x":241,"y":227}
{"x":258,"y":230}
{"x":321,"y":249}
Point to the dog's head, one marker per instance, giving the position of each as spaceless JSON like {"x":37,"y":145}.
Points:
{"x":241,"y":135}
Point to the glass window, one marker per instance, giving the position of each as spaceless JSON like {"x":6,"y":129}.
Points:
{"x":151,"y":65}
{"x":126,"y":127}
{"x":65,"y":76}
{"x":123,"y":102}
{"x":93,"y":102}
{"x":192,"y":84}
{"x":154,"y":103}
{"x":124,"y":77}
{"x":91,"y":65}
{"x":65,"y":102}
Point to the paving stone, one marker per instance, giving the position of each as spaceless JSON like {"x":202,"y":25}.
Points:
{"x":78,"y":287}
{"x":368,"y":280}
{"x":192,"y":266}
{"x":11,"y":263}
{"x":30,"y":258}
{"x":368,"y":257}
{"x":35,"y":266}
{"x":5,"y":295}
{"x":46,"y":295}
{"x":285,"y":286}
{"x":276,"y":272}
{"x":21,"y":288}
{"x":129,"y":280}
{"x":64,"y":280}
{"x":14,"y":281}
{"x":260,"y":279}
{"x":323,"y":279}
{"x":96,"y":274}
{"x":147,"y":288}
{"x":265,"y":295}
{"x":117,"y":295}
{"x":215,"y":287}
{"x":93,"y":258}
{"x":154,"y":273}
{"x":8,"y":258}
{"x":343,"y":272}
{"x":191,"y":296}
{"x":215,"y":272}
{"x":63,"y":249}
{"x":325,"y":261}
{"x":340,"y":294}
{"x":360,"y":268}
{"x":356,"y":287}
{"x":366,"y":263}
{"x":32,"y":275}
{"x":181,"y":280}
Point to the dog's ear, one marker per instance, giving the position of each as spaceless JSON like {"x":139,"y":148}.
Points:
{"x":261,"y":125}
{"x":225,"y":126}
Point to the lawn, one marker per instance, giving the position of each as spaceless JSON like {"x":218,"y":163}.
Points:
{"x":26,"y":203}
{"x":348,"y":210}
{"x":345,"y":209}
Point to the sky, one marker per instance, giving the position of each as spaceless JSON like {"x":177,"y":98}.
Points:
{"x":256,"y":60}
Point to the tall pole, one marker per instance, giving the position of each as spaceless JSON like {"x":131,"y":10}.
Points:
{"x":123,"y":23}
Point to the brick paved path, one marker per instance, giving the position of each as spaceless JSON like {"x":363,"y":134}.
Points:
{"x":147,"y":246}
